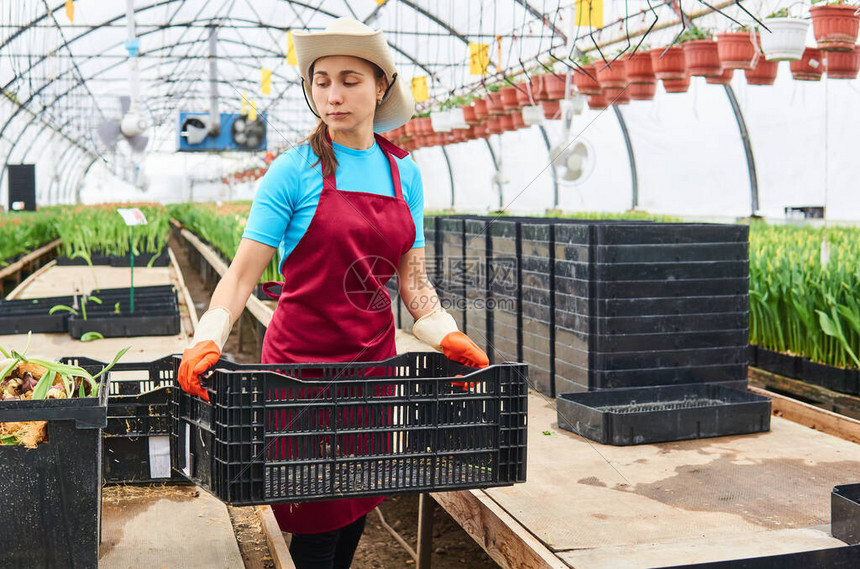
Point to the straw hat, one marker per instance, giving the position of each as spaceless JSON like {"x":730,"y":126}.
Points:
{"x":345,"y":36}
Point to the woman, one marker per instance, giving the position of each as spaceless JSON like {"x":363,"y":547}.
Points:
{"x":346,"y":212}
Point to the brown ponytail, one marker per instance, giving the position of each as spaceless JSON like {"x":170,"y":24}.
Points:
{"x":318,"y":139}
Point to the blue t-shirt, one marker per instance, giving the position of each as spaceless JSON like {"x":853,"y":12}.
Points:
{"x":290,"y":191}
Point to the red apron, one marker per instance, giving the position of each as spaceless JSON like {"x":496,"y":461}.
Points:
{"x":334,"y":306}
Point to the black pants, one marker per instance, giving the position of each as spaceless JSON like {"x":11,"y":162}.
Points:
{"x":329,"y":550}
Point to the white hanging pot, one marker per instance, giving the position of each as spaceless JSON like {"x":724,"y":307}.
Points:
{"x":440,"y":120}
{"x":456,"y":118}
{"x":578,"y":103}
{"x":532,"y":115}
{"x":786,"y":40}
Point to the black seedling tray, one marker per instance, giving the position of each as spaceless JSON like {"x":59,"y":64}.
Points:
{"x":845,"y":513}
{"x":830,"y":558}
{"x":139,"y":292}
{"x":54,"y":490}
{"x":301,"y":432}
{"x":161,"y":259}
{"x":661,"y":414}
{"x":138,"y":413}
{"x":671,"y":252}
{"x":151,"y":322}
{"x":670,"y":341}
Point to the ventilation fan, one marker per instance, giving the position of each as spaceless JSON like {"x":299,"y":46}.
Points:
{"x":248,"y":133}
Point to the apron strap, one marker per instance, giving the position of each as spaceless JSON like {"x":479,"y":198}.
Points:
{"x":269,"y":285}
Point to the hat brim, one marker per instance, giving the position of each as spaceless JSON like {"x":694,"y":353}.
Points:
{"x":398,"y":106}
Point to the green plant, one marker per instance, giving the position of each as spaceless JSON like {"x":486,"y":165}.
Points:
{"x":92,"y":335}
{"x":781,"y":13}
{"x":694,"y":33}
{"x":84,"y":299}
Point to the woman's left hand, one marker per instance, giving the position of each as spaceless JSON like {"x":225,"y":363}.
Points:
{"x":460,"y":348}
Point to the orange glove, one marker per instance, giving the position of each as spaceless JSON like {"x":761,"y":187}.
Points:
{"x":196,"y":360}
{"x":460,"y":348}
{"x":211,"y":334}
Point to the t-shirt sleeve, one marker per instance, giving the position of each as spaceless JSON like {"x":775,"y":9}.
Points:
{"x":415,"y":199}
{"x":273,"y":204}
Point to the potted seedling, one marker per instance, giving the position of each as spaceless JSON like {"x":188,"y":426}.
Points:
{"x":787,"y":37}
{"x":612,"y":74}
{"x":670,"y":64}
{"x":764,"y":72}
{"x":843,"y":64}
{"x":737,"y":49}
{"x":701,"y":52}
{"x":585,"y":76}
{"x":494,"y":100}
{"x":810,"y":67}
{"x":835,"y":25}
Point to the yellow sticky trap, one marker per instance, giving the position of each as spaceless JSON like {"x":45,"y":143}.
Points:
{"x":589,"y":13}
{"x":252,"y":116}
{"x":419,"y":89}
{"x":479,"y":58}
{"x":291,"y":50}
{"x":381,"y":2}
{"x":70,"y":11}
{"x":244,"y":103}
{"x":266,"y":81}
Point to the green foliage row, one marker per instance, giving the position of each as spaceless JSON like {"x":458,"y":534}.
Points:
{"x":101,"y":230}
{"x":221,"y":225}
{"x":23,"y":232}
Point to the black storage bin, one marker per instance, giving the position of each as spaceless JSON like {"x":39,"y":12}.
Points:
{"x":138,"y":413}
{"x":659,"y":414}
{"x":845,"y":513}
{"x":300,"y":432}
{"x":52,"y":494}
{"x":785,"y":365}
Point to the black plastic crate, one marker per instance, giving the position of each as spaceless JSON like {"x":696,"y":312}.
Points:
{"x":785,"y":365}
{"x":53,"y":493}
{"x":660,"y":414}
{"x":845,"y":513}
{"x":301,"y":432}
{"x":671,"y":252}
{"x":831,"y":558}
{"x":138,"y":422}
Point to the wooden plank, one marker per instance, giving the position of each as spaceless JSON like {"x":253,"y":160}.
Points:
{"x":503,"y":538}
{"x":189,"y":302}
{"x":255,"y":306}
{"x":841,"y":403}
{"x":812,"y":417}
{"x":26,"y":282}
{"x":277,"y":545}
{"x":19,"y":264}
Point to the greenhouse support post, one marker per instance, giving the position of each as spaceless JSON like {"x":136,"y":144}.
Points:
{"x":551,"y":169}
{"x":745,"y":138}
{"x":450,"y":174}
{"x":634,"y":175}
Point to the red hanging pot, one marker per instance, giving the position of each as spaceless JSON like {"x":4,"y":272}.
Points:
{"x":681,"y":85}
{"x":480,"y":131}
{"x":585,"y":80}
{"x":725,"y":78}
{"x":509,"y":98}
{"x":523,"y":94}
{"x":551,"y":108}
{"x":703,"y":59}
{"x":843,"y":64}
{"x":494,"y":125}
{"x":425,"y":125}
{"x":469,"y":114}
{"x":640,"y":69}
{"x":612,"y":74}
{"x":736,"y":50}
{"x":810,"y":67}
{"x":835,"y":27}
{"x":481,"y":112}
{"x":764,"y":72}
{"x":494,"y":104}
{"x":517,"y":117}
{"x":411,"y":127}
{"x":554,"y":86}
{"x":598,"y":102}
{"x":642,"y":91}
{"x":538,"y":92}
{"x":671,"y":65}
{"x":616,"y":95}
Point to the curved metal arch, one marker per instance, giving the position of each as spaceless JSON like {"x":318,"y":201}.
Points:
{"x":628,"y":144}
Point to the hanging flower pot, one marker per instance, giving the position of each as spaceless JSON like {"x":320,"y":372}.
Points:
{"x":810,"y":67}
{"x":551,"y":108}
{"x":843,"y":64}
{"x":480,"y":106}
{"x":553,"y":84}
{"x":585,"y":80}
{"x":598,"y":102}
{"x":764,"y":72}
{"x":736,"y":50}
{"x":617,"y":95}
{"x":411,"y":127}
{"x":835,"y":26}
{"x":640,"y":69}
{"x":786,"y":40}
{"x":538,"y":92}
{"x":494,"y":104}
{"x":480,"y":131}
{"x":642,"y":91}
{"x":523,"y":94}
{"x":703,"y":58}
{"x":509,"y":98}
{"x":671,"y":65}
{"x":494,"y":125}
{"x":681,"y":85}
{"x":506,"y":122}
{"x":469,"y":114}
{"x":725,"y":78}
{"x":532,"y":115}
{"x":425,"y":126}
{"x":517,"y":118}
{"x":612,"y":74}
